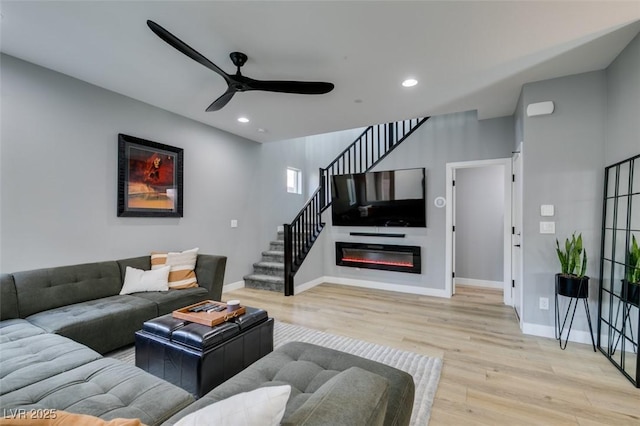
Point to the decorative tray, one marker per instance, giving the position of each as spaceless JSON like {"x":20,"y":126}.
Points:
{"x":207,"y":312}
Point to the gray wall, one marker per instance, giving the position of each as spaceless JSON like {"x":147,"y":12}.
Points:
{"x":323,"y":149}
{"x":305,"y":153}
{"x":479,"y":222}
{"x":313,"y":266}
{"x":58,"y":177}
{"x":277,"y":205}
{"x":443,"y":139}
{"x":563,"y":166}
{"x":623,"y":105}
{"x":594,"y":125}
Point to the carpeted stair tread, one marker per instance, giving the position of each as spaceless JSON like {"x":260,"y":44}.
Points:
{"x":273,"y":256}
{"x":267,"y":264}
{"x":277,"y":245}
{"x":269,"y":268}
{"x":268,"y":273}
{"x":262,"y":277}
{"x":265,"y":282}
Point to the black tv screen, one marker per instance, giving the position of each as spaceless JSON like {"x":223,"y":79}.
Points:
{"x":386,"y":198}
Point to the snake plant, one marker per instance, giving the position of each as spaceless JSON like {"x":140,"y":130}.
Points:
{"x":573,"y":259}
{"x":633,"y":269}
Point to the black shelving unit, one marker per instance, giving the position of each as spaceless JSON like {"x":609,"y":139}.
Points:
{"x":618,"y":316}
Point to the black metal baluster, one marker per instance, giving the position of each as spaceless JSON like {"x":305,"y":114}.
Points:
{"x":309,"y":224}
{"x":288,"y":250}
{"x":360,"y":149}
{"x":378,"y":127}
{"x":366,"y":150}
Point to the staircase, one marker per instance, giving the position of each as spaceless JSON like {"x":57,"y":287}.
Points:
{"x":285,"y":256}
{"x":268,"y":274}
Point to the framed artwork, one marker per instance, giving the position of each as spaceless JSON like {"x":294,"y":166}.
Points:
{"x":149,"y":178}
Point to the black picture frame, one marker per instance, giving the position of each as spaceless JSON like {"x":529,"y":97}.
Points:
{"x":150,"y":178}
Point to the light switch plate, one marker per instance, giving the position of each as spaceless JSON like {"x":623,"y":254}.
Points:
{"x":546,"y":210}
{"x":234,"y":223}
{"x":547,"y":227}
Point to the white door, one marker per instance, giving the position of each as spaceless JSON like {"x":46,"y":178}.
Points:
{"x":516,"y":233}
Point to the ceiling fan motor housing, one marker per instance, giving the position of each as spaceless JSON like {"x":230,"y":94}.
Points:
{"x":238,"y":58}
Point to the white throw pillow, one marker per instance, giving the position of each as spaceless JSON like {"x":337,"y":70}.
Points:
{"x":137,"y":280}
{"x":260,"y":407}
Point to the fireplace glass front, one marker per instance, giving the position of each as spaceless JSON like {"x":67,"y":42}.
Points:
{"x":379,"y":256}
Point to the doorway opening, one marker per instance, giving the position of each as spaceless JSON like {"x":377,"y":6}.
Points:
{"x":478,"y":226}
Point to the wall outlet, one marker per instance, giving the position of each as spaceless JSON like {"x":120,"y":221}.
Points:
{"x":547,"y":227}
{"x":544,"y":303}
{"x":546,"y":210}
{"x":234,"y":223}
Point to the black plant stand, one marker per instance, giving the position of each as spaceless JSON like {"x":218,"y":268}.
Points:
{"x":575,"y":289}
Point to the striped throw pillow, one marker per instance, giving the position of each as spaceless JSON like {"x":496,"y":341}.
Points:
{"x":183,"y":264}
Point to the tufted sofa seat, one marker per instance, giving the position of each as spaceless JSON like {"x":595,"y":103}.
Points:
{"x":327,"y":387}
{"x":30,"y":355}
{"x":39,"y":370}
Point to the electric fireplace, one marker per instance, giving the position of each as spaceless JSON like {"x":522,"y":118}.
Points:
{"x":379,"y":256}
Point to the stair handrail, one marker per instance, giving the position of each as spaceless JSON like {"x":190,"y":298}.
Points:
{"x":302,"y":232}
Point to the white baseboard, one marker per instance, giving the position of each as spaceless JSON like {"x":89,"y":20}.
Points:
{"x":233,"y":286}
{"x":577,"y":336}
{"x":309,"y":285}
{"x":387,"y":286}
{"x":479,"y":283}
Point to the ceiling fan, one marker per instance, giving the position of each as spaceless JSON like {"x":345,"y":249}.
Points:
{"x":237,"y":82}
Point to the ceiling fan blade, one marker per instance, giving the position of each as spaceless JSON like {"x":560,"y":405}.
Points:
{"x":185,"y":48}
{"x":222,"y":100}
{"x":282,"y":86}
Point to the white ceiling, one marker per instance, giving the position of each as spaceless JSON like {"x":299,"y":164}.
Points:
{"x":466,"y":55}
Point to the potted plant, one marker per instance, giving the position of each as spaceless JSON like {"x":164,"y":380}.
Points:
{"x":572,"y":281}
{"x":631,"y":283}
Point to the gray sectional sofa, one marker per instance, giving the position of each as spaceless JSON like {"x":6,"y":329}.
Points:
{"x":56,"y":323}
{"x":82,"y":302}
{"x":328,"y":387}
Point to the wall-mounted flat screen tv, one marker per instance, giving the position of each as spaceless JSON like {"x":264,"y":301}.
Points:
{"x":386,"y":198}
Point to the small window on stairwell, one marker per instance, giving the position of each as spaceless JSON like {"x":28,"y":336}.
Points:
{"x":294,"y":180}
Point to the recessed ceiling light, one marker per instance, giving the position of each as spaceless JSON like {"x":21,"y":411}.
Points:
{"x":410,"y":82}
{"x":243,"y":119}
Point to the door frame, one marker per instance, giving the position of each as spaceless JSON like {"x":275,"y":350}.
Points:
{"x":449,"y":255}
{"x":519,"y":253}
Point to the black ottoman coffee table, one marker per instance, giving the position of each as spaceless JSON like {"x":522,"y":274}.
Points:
{"x":197,"y":357}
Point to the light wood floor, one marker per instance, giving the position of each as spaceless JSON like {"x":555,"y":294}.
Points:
{"x":492,"y":374}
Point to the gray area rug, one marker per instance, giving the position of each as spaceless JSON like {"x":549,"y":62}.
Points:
{"x":424,"y":370}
